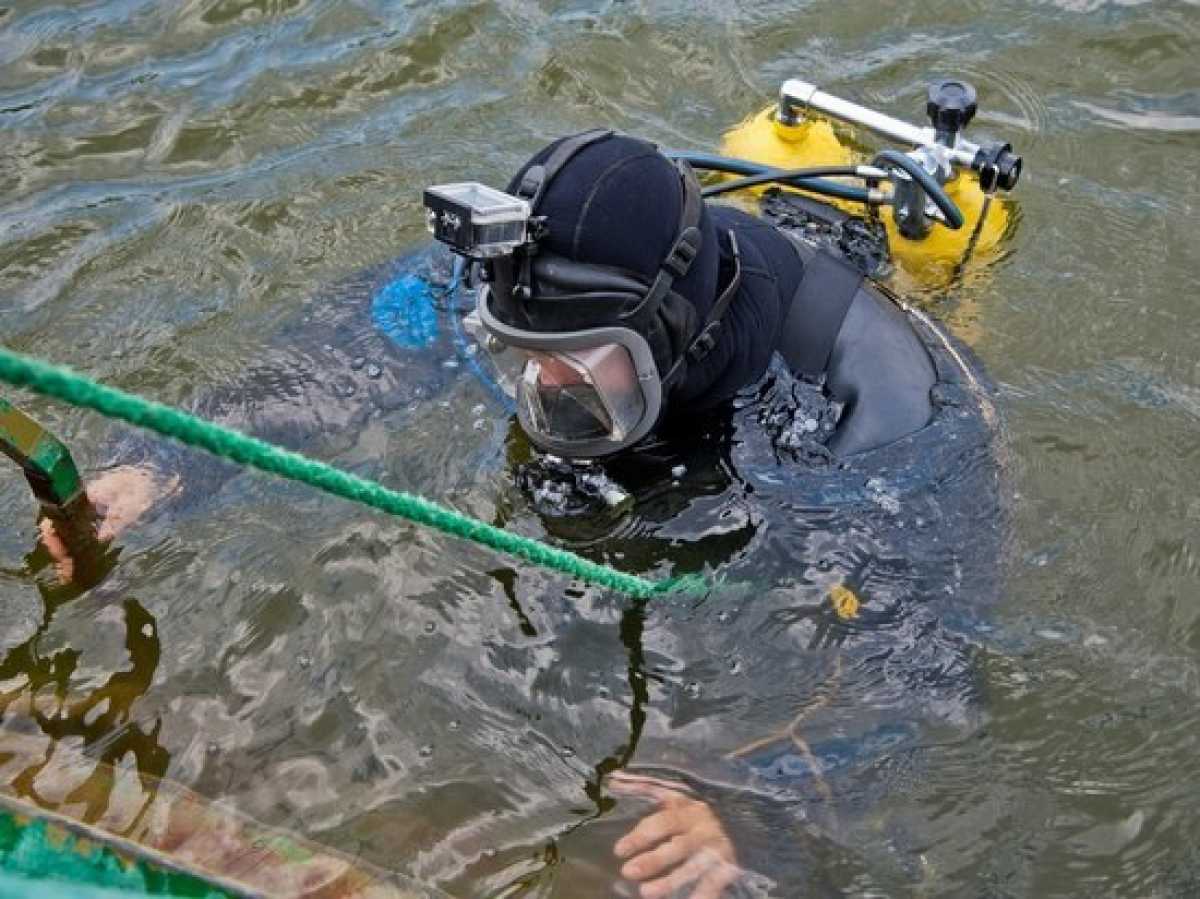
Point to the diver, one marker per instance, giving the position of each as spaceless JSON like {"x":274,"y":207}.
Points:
{"x":640,"y":304}
{"x":630,"y":309}
{"x":630,"y":306}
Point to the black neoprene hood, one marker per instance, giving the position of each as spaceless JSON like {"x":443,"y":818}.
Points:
{"x":616,"y":205}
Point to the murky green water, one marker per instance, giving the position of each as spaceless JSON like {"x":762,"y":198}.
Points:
{"x":189,"y":193}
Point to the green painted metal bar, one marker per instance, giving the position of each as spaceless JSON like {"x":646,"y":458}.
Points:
{"x":44,"y":459}
{"x":45,"y":855}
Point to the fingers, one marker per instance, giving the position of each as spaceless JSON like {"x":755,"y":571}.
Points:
{"x":659,"y":859}
{"x":64,"y":564}
{"x":677,"y":879}
{"x":712,"y":885}
{"x":649,"y":832}
{"x":625,"y":780}
{"x":707,"y":867}
{"x":53,"y":541}
{"x":123,"y":494}
{"x":661,"y":791}
{"x":681,"y":844}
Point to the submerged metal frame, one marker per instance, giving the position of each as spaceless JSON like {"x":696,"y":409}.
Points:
{"x":44,"y":459}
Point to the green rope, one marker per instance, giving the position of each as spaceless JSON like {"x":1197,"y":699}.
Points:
{"x":73,"y":388}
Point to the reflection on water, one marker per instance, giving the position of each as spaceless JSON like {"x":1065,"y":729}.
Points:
{"x":41,"y":686}
{"x":203,"y":202}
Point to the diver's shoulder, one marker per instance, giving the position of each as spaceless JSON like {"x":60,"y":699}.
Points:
{"x":742,"y":223}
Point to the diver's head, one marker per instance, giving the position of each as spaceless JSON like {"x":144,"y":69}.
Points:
{"x":599,"y":311}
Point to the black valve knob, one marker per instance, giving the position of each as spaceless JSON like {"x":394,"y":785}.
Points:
{"x":951,"y":106}
{"x":998,"y":167}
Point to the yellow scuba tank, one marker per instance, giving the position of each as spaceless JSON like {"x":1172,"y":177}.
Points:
{"x":924,"y":264}
{"x":942,"y":255}
{"x":763,"y":139}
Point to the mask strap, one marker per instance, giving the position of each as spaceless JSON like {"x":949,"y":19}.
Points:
{"x":682,"y":253}
{"x":533,"y":185}
{"x":689,"y":216}
{"x":706,"y":339}
{"x":538,"y":177}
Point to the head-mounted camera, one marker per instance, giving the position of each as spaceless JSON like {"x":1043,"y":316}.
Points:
{"x":475,"y":220}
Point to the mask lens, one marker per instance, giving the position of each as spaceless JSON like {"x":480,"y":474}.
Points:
{"x":582,"y":394}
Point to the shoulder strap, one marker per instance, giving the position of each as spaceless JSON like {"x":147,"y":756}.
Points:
{"x":818,"y":309}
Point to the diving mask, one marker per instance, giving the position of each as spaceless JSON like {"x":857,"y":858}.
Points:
{"x":585,"y":393}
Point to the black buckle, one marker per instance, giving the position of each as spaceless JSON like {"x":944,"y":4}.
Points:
{"x":531,"y":182}
{"x":704,"y":342}
{"x":684,"y":253}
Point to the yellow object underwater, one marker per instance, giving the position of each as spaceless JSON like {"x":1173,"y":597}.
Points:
{"x":931,"y":262}
{"x":845,"y":602}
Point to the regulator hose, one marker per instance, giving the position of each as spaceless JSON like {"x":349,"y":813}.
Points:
{"x":948,"y":208}
{"x":790,"y":177}
{"x":714,"y":163}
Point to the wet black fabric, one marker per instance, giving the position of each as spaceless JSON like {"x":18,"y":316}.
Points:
{"x":618,"y":203}
{"x":771,"y":273}
{"x":817,"y":312}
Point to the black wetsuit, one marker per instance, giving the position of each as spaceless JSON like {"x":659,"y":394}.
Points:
{"x":803,"y":298}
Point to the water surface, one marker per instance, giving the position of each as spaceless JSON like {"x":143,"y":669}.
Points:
{"x":198,"y":201}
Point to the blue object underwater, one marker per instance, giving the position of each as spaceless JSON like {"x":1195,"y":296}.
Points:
{"x":782,"y":762}
{"x":403,"y":311}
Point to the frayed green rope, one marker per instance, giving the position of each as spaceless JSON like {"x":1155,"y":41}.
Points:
{"x":73,"y":388}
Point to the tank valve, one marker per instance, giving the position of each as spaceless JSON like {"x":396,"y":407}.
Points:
{"x":951,"y":106}
{"x":998,"y":166}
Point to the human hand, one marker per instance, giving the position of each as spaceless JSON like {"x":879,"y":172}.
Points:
{"x":122,"y":495}
{"x":681,"y":844}
{"x":117,"y":499}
